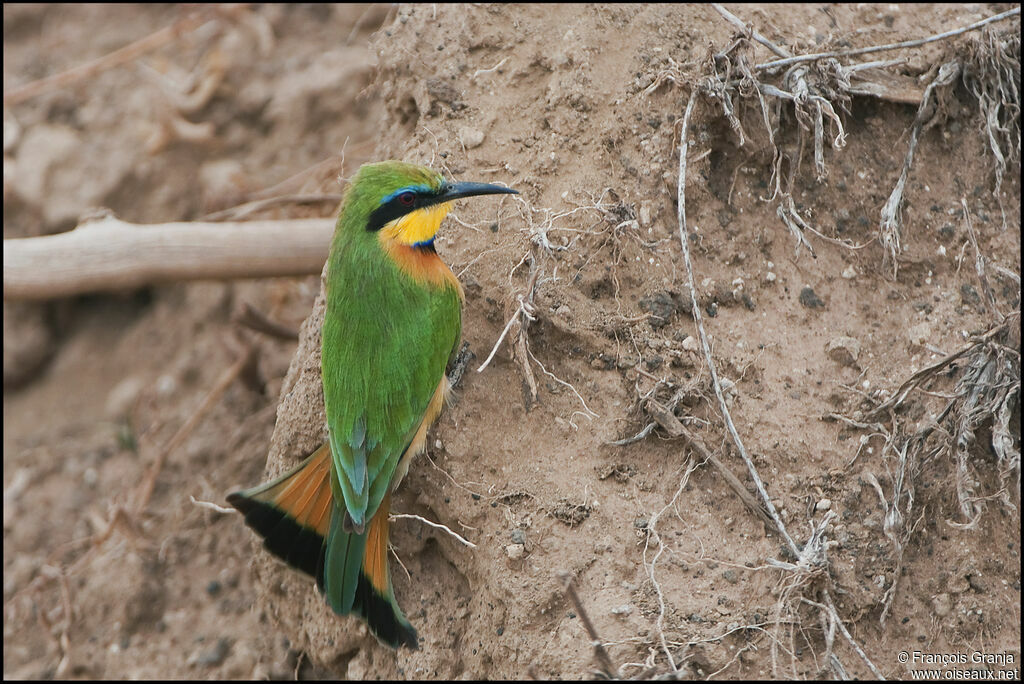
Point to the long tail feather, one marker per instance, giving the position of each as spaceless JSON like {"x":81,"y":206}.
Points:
{"x":375,"y":598}
{"x":293,"y":512}
{"x":300,"y":523}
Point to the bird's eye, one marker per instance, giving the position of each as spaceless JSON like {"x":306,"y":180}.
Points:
{"x":407,"y":199}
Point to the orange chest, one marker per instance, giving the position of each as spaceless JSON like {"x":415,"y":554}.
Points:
{"x":422,"y":265}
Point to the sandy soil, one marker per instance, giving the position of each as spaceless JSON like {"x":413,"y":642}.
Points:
{"x":577,"y":108}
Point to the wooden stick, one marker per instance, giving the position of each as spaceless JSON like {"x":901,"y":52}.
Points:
{"x":251,"y":317}
{"x":607,"y":668}
{"x":892,"y":46}
{"x":228,"y":376}
{"x":110,"y":254}
{"x":667,"y":420}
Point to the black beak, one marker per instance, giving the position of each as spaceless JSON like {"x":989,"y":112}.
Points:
{"x":454,"y":191}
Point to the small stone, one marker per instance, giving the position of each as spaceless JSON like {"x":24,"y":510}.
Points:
{"x":942,"y":604}
{"x":731,"y":577}
{"x":471,"y":137}
{"x":627,"y":361}
{"x":770,"y":277}
{"x":518,"y":536}
{"x":843,"y":350}
{"x":166,"y":385}
{"x":849,"y":272}
{"x":662,"y":307}
{"x":690,"y":344}
{"x":624,"y":609}
{"x":123,"y":396}
{"x":823,"y":505}
{"x":515,"y":551}
{"x":213,"y":656}
{"x":810,"y":299}
{"x":645,"y":214}
{"x":213,"y":588}
{"x":920,"y":333}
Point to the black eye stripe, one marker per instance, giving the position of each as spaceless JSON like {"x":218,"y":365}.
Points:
{"x":397,"y":206}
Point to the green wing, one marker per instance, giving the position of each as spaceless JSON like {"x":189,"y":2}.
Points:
{"x":386,"y":340}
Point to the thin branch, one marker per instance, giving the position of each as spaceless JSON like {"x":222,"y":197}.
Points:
{"x":409,"y":516}
{"x":599,"y":649}
{"x":187,"y":24}
{"x":698,"y":318}
{"x":252,"y":318}
{"x":667,"y":420}
{"x":145,"y":491}
{"x":736,"y":21}
{"x":892,"y":46}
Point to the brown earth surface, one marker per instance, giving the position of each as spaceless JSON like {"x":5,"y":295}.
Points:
{"x":579,"y":108}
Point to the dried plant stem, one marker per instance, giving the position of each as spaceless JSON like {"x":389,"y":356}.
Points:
{"x":830,"y":608}
{"x":917,"y":378}
{"x":168,"y":34}
{"x":892,"y":46}
{"x":145,"y":490}
{"x":889,"y":227}
{"x":738,"y":23}
{"x":698,"y":318}
{"x":409,"y":516}
{"x":599,"y":650}
{"x":667,"y":420}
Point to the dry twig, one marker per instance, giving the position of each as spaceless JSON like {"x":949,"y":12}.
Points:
{"x":145,"y":489}
{"x":892,"y":46}
{"x":191,"y":21}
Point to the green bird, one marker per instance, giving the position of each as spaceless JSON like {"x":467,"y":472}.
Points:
{"x":392,"y":320}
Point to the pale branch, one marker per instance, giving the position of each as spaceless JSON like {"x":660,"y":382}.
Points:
{"x":684,"y":145}
{"x":409,"y":516}
{"x":892,"y":46}
{"x":111,"y":254}
{"x":738,"y":23}
{"x":667,"y":420}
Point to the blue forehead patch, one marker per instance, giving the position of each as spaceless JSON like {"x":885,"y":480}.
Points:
{"x":409,"y":188}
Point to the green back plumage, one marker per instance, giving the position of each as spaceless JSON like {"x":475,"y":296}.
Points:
{"x":386,"y":340}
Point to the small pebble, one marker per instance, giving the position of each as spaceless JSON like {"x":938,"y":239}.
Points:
{"x":942,"y":604}
{"x":471,"y":137}
{"x":690,"y":344}
{"x":624,"y":609}
{"x":843,"y":350}
{"x":823,"y":505}
{"x":810,"y":299}
{"x":515,"y":551}
{"x":213,"y":656}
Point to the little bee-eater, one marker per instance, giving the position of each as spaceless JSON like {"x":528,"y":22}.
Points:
{"x":392,"y":321}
